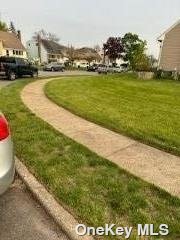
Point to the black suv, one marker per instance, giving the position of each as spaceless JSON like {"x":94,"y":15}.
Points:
{"x":13,"y":68}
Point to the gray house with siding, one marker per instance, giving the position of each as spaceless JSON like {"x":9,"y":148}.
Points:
{"x":169,"y":57}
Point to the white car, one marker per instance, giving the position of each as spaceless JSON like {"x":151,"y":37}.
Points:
{"x":7,"y":164}
{"x":82,"y":65}
{"x":102,"y":68}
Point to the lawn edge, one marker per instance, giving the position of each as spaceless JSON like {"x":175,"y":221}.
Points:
{"x":61,"y":217}
{"x":121,"y":132}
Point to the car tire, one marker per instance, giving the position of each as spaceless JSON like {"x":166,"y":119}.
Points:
{"x":12,"y":76}
{"x":34,"y":75}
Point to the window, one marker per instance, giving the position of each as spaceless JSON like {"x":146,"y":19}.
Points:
{"x":14,"y":52}
{"x":7,"y":52}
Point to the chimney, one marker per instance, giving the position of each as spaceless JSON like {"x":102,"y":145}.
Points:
{"x":19,"y":34}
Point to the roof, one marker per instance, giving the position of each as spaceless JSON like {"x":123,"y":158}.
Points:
{"x":54,"y":47}
{"x":10,"y":40}
{"x":168,"y":30}
{"x":81,"y":53}
{"x":87,"y":53}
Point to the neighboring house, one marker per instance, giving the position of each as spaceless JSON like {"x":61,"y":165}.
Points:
{"x":85,"y":56}
{"x":11,"y":45}
{"x":169,"y":58}
{"x":46,"y":51}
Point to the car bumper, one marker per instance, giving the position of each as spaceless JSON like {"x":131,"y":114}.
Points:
{"x":7,"y":179}
{"x":7,"y":164}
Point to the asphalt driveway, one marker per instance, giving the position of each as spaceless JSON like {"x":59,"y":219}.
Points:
{"x":22,"y":218}
{"x":4,"y":82}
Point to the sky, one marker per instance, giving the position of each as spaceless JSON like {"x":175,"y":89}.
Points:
{"x":88,"y":23}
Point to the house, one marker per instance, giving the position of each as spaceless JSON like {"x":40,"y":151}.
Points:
{"x":46,"y":51}
{"x":85,"y":56}
{"x":169,"y":57}
{"x":11,"y":45}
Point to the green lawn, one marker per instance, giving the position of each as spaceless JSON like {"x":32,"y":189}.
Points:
{"x":92,"y":188}
{"x":148,"y":111}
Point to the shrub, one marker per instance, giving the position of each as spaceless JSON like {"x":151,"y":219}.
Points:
{"x":160,"y":74}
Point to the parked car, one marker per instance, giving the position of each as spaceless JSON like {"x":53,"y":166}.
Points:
{"x":82,"y":65}
{"x":12,"y":68}
{"x":92,"y":68}
{"x":102,"y":69}
{"x":7,"y":165}
{"x":115,"y":69}
{"x":54,"y":67}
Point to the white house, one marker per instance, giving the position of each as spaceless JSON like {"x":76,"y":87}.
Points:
{"x":11,"y":45}
{"x":46,"y":51}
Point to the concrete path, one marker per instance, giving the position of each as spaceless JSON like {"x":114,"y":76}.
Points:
{"x":22,"y":218}
{"x":148,"y":163}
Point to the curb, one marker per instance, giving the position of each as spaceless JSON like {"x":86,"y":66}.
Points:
{"x":62,"y":217}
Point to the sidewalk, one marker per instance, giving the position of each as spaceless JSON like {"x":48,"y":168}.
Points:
{"x":148,"y":163}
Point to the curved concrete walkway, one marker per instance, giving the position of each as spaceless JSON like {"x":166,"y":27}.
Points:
{"x":148,"y":163}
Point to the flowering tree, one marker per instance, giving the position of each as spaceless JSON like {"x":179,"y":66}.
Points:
{"x":113,"y":48}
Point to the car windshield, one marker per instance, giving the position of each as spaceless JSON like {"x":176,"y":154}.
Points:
{"x":23,"y":61}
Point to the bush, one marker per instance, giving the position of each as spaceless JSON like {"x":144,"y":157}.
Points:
{"x":160,"y":74}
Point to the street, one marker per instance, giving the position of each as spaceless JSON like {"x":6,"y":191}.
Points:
{"x":22,"y":218}
{"x":4,"y":82}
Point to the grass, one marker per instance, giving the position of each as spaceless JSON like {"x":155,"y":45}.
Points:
{"x":148,"y":111}
{"x":95,"y":190}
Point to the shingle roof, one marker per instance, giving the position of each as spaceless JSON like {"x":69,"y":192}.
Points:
{"x":11,"y":41}
{"x":53,"y":47}
{"x":86,"y":52}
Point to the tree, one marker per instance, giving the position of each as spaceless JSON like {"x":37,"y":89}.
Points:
{"x":71,"y":52}
{"x":53,"y":37}
{"x":3,"y":26}
{"x":134,"y":49}
{"x":97,"y":48}
{"x":141,"y":62}
{"x":113,"y":48}
{"x":45,"y":35}
{"x":12,"y":28}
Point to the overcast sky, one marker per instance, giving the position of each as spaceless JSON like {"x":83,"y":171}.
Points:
{"x":90,"y":22}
